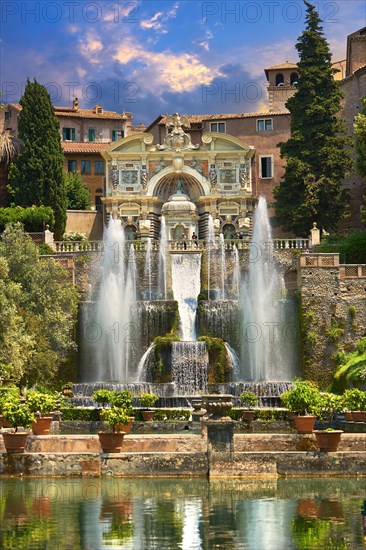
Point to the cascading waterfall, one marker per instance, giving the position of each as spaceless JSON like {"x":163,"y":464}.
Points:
{"x":234,"y":361}
{"x":186,"y":283}
{"x":108,"y":344}
{"x":147,"y":270}
{"x":189,"y":367}
{"x":267,"y":350}
{"x":223,"y":266}
{"x":210,"y":246}
{"x":162,"y":267}
{"x":236,"y":273}
{"x":141,"y":374}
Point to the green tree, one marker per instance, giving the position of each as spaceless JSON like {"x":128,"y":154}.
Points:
{"x":78,"y":196}
{"x":360,"y":145}
{"x":37,"y":177}
{"x":316,"y":158}
{"x":43,"y":304}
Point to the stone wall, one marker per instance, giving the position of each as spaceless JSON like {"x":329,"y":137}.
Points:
{"x":333,"y":316}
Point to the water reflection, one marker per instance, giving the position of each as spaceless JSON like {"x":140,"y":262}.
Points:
{"x":96,"y":514}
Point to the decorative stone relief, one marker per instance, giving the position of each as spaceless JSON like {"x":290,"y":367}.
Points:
{"x":177,"y":139}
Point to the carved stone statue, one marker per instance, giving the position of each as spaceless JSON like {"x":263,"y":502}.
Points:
{"x":177,"y":139}
{"x":144,"y":178}
{"x":114,"y":178}
{"x":195,"y":165}
{"x":213,"y":178}
{"x":159,"y":167}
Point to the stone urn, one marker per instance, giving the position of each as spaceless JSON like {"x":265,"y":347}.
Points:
{"x":198,"y":410}
{"x":218,"y":406}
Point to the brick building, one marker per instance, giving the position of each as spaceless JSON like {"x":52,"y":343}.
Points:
{"x":84,"y":134}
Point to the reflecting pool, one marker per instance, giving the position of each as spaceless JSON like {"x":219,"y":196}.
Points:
{"x":144,"y":514}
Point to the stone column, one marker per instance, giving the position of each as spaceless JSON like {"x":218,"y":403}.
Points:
{"x":314,"y":235}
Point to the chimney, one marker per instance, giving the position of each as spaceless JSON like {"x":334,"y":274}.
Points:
{"x":75,"y":104}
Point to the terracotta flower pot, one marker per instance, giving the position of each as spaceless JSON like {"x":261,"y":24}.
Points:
{"x":4,"y":423}
{"x":15,"y":442}
{"x":359,"y":416}
{"x":247,"y":415}
{"x":147,"y":415}
{"x":42,"y":425}
{"x":126,"y":428}
{"x":111,"y":442}
{"x":348,"y":416}
{"x":328,"y":441}
{"x":304,"y":424}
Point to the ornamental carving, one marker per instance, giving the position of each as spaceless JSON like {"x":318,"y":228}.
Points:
{"x":177,"y":139}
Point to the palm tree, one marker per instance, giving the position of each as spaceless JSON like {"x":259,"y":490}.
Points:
{"x":10,"y":147}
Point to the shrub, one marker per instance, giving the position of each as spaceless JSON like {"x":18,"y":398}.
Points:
{"x":148,"y":400}
{"x":17,"y":414}
{"x":115,"y":417}
{"x":103,"y":396}
{"x":354,"y":400}
{"x":248,"y":399}
{"x":79,"y":414}
{"x":34,"y":218}
{"x":122,"y":400}
{"x":42,"y":403}
{"x":303,"y":398}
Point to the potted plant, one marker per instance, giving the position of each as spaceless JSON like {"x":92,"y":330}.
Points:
{"x":329,"y":438}
{"x":41,"y":404}
{"x":17,"y":414}
{"x":304,"y":400}
{"x":248,"y":400}
{"x":123,"y":400}
{"x":6,"y":393}
{"x":103,"y":397}
{"x":148,"y":400}
{"x":111,"y":442}
{"x":354,"y":402}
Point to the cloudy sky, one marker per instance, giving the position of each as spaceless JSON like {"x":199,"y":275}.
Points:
{"x":155,"y":57}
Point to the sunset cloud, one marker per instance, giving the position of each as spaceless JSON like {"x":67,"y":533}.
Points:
{"x":165,"y":70}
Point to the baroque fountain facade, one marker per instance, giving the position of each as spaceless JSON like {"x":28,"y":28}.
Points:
{"x":180,"y":316}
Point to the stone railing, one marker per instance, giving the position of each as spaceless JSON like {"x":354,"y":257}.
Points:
{"x":192,"y":245}
{"x":319,"y":260}
{"x":298,"y":244}
{"x":352,"y":271}
{"x":77,"y":246}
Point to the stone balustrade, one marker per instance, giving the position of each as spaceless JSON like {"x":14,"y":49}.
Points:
{"x":352,"y":271}
{"x":177,"y":245}
{"x":319,"y":260}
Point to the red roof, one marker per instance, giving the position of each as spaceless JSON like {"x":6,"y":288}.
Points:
{"x":77,"y":147}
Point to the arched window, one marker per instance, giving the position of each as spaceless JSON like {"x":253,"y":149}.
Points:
{"x":294,"y":79}
{"x":280,"y":80}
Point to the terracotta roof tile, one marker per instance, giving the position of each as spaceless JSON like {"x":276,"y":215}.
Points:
{"x":285,"y":65}
{"x":81,"y":113}
{"x":78,"y":147}
{"x":88,"y":113}
{"x":200,"y":118}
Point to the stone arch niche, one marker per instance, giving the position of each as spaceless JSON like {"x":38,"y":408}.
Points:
{"x":163,"y":185}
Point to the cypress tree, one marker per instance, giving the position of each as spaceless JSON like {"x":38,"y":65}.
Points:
{"x":37,"y":175}
{"x":316,"y":158}
{"x":360,"y":143}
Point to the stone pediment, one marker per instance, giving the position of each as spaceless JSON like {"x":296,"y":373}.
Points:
{"x":225,"y":142}
{"x":138,"y":143}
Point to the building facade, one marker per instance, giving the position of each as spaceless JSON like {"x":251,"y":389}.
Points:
{"x":84,"y":133}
